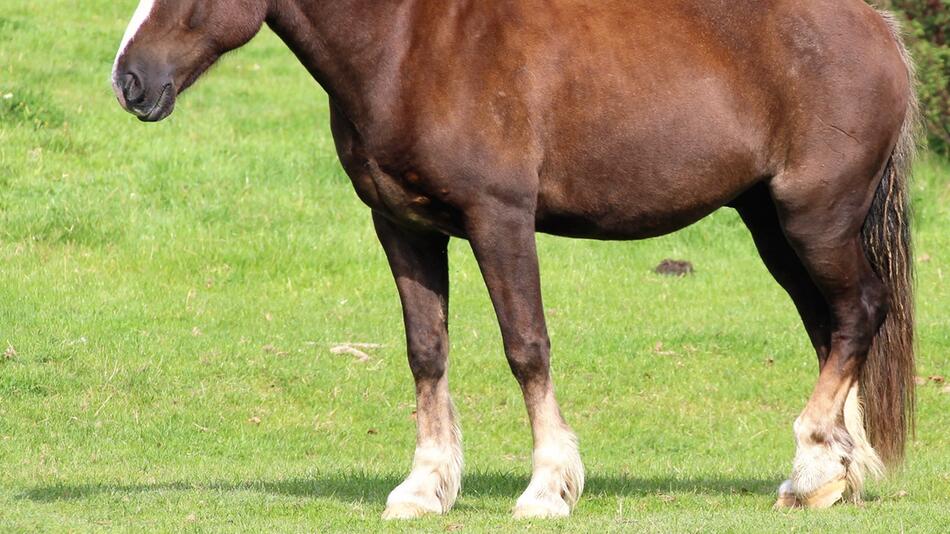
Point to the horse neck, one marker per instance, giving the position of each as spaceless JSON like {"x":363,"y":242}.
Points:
{"x":352,"y":48}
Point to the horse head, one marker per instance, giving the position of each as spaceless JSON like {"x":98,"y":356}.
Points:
{"x":169,"y":44}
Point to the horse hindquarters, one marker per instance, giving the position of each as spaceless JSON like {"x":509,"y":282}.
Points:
{"x":845,"y":213}
{"x":836,"y":237}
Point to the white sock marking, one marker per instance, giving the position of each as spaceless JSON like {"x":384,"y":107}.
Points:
{"x":557,"y":478}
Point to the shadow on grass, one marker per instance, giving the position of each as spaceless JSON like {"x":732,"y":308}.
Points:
{"x":359,"y":487}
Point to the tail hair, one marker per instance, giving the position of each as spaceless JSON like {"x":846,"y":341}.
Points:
{"x":888,"y":379}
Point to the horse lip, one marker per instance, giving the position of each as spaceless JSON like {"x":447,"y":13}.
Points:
{"x":163,"y":106}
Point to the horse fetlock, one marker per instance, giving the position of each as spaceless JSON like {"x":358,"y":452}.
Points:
{"x":830,"y":464}
{"x":431,"y":488}
{"x":548,"y":495}
{"x":556,"y":483}
{"x":822,"y":455}
{"x":840,"y":451}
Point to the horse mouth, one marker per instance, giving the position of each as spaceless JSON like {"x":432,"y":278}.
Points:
{"x":162,"y":108}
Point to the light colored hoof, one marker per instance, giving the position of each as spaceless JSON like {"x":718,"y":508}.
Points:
{"x":541,"y":504}
{"x":786,"y":496}
{"x":541,"y":507}
{"x":433,"y":484}
{"x":557,"y":481}
{"x":824,"y":497}
{"x":408,"y":510}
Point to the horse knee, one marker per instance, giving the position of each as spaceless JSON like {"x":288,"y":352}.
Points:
{"x":529,"y":358}
{"x":427,"y":357}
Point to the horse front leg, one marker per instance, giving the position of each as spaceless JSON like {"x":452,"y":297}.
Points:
{"x":420,"y":267}
{"x":502,"y":237}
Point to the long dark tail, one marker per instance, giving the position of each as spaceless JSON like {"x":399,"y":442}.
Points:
{"x":887,"y":381}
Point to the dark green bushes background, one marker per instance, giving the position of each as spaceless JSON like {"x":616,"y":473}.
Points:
{"x":928,"y":28}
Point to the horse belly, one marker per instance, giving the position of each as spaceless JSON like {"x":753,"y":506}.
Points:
{"x":631,"y":210}
{"x":639,"y":148}
{"x":649,"y":180}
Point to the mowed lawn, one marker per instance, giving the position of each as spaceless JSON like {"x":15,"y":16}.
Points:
{"x":169,"y":295}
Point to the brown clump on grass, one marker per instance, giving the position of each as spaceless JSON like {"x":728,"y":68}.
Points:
{"x":674,"y":268}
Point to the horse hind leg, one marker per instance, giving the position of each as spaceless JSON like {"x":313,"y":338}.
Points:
{"x":832,"y":453}
{"x":757,"y":210}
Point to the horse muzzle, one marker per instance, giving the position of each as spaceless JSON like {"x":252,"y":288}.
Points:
{"x":150,"y":102}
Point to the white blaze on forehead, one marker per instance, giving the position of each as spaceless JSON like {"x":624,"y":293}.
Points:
{"x":138,"y":19}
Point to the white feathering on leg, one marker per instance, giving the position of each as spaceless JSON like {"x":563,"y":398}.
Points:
{"x":863,"y":457}
{"x":557,"y":481}
{"x":435,"y":480}
{"x":816,"y":464}
{"x":819,"y":468}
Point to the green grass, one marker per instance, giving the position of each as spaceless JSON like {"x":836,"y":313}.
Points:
{"x":169,"y":293}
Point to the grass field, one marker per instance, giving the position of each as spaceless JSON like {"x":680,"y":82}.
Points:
{"x":169,"y":295}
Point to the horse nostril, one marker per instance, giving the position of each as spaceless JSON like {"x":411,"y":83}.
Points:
{"x":132,"y":88}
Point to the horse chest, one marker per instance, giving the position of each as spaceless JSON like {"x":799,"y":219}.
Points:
{"x":404,"y":198}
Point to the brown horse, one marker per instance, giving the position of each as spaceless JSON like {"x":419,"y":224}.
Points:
{"x":605,"y":119}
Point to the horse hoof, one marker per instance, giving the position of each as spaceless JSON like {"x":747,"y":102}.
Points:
{"x":402,"y":511}
{"x":539,"y":512}
{"x":541,"y":508}
{"x":786,"y":496}
{"x":823,"y":497}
